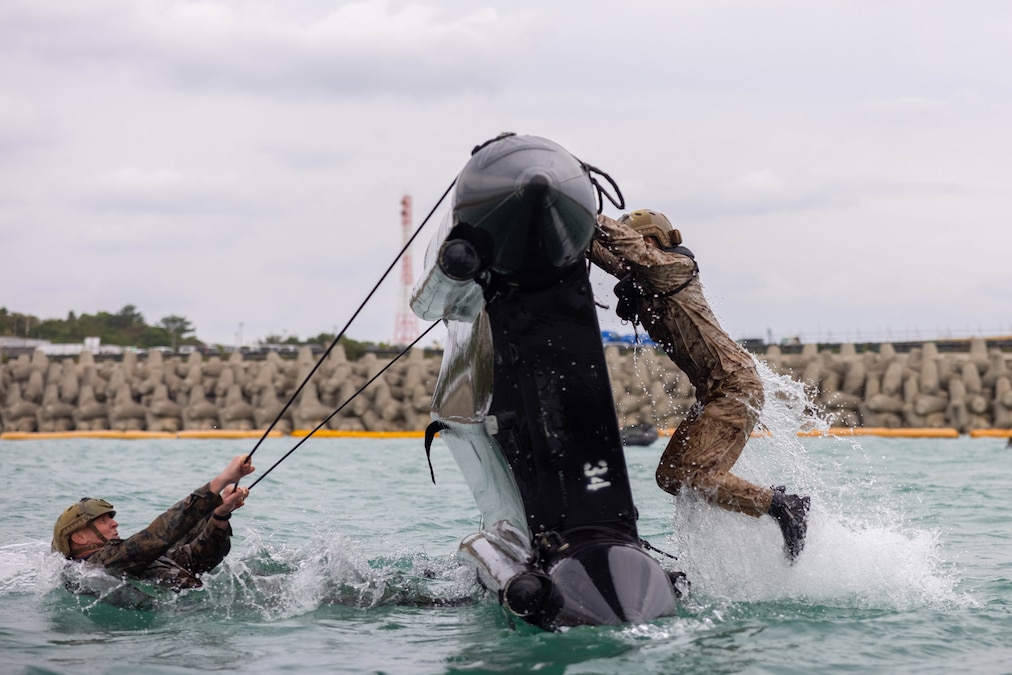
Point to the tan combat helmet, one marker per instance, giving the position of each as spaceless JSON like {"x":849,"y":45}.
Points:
{"x":653,"y":224}
{"x":76,"y":516}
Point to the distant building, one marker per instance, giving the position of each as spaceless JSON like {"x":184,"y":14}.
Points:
{"x":13,"y":347}
{"x":756,"y":345}
{"x":7,"y":341}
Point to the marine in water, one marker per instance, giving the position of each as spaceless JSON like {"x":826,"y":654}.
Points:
{"x":192,"y":537}
{"x":659,"y":287}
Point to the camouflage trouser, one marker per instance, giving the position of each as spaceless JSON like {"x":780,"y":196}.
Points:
{"x":708,"y":442}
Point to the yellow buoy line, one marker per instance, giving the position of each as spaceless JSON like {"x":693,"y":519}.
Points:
{"x":331,"y":433}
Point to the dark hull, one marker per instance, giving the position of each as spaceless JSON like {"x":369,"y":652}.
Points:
{"x":524,"y":400}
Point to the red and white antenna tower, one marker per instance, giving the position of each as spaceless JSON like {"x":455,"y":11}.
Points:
{"x":406,"y":324}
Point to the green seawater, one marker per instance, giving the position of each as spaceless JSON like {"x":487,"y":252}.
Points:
{"x":344,"y":560}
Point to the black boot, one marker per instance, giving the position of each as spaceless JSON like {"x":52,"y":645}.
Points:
{"x":680,"y":583}
{"x":791,"y":513}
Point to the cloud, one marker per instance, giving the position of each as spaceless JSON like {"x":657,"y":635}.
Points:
{"x":21,"y":127}
{"x":243,"y":161}
{"x":164,"y":191}
{"x":358,"y":48}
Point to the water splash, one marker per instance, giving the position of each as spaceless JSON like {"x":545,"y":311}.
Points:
{"x":267,"y":580}
{"x":22,"y":566}
{"x":279,"y":582}
{"x":860,"y":550}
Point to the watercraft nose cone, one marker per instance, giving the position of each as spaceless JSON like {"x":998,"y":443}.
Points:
{"x":610,"y":585}
{"x":537,"y":183}
{"x":535,"y":204}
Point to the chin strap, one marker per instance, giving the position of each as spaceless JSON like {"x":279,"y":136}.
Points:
{"x":98,"y":534}
{"x":90,"y":548}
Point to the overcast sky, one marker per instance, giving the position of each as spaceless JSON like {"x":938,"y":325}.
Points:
{"x":843,"y":170}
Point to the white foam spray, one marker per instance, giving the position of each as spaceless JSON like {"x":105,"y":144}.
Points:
{"x":277,"y":581}
{"x":859,"y":552}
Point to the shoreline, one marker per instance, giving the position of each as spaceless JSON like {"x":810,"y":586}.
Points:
{"x":331,"y":433}
{"x":920,"y":391}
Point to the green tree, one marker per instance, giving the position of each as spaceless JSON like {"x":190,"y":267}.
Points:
{"x":177,"y":327}
{"x":20,"y":325}
{"x":275,"y":339}
{"x":127,"y":318}
{"x":353,"y":349}
{"x":126,"y":328}
{"x":153,"y":336}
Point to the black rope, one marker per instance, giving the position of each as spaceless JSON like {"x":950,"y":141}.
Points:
{"x":353,"y":317}
{"x":650,"y":547}
{"x":478,"y":148}
{"x":430,"y":433}
{"x":618,"y":201}
{"x":342,"y":406}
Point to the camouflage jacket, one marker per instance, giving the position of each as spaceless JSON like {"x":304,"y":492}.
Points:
{"x":682,"y":323}
{"x":175,"y":548}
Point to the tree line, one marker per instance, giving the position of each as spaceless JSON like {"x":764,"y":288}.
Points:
{"x":127,"y":328}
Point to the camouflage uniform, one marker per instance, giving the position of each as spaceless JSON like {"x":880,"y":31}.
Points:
{"x":174,"y":549}
{"x":729,"y":393}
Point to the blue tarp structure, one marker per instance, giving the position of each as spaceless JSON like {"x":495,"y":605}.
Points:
{"x":610,"y":337}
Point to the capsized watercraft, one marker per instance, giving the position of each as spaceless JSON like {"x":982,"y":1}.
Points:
{"x":523,"y":400}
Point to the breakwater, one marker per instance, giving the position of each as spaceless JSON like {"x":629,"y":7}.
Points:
{"x":919,"y":389}
{"x":922,"y":388}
